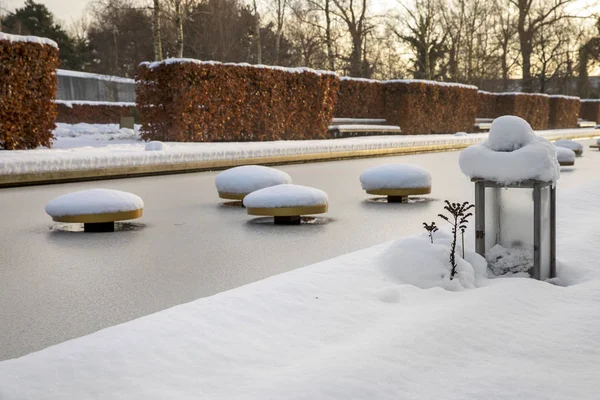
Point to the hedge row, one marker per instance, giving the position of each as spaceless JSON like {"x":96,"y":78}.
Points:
{"x":564,"y":112}
{"x":360,"y":98}
{"x":486,"y":104}
{"x":27,"y":90}
{"x":193,"y":101}
{"x":74,"y":112}
{"x":590,"y":110}
{"x":534,"y":108}
{"x":418,"y":107}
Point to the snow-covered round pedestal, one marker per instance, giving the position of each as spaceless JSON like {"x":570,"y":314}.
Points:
{"x":97,"y":209}
{"x":287,"y":203}
{"x":236,"y":183}
{"x":396,"y":181}
{"x":565,"y":157}
{"x":571,"y":145}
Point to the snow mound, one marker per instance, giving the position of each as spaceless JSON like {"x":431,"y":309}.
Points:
{"x":509,"y":133}
{"x":565,"y":155}
{"x":155,"y":145}
{"x":517,"y":156}
{"x":503,"y":261}
{"x":29,"y":39}
{"x":416,"y":261}
{"x":286,"y":195}
{"x":93,"y":201}
{"x":395,"y":176}
{"x":460,"y":134}
{"x":249,"y":178}
{"x":569,"y":144}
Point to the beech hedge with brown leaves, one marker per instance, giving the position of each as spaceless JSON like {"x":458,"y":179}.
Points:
{"x":28,"y":86}
{"x":193,"y":101}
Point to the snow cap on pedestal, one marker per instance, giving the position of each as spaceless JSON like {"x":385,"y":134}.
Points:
{"x":93,"y":201}
{"x":511,"y":154}
{"x":565,"y":156}
{"x":571,"y":145}
{"x":249,"y":178}
{"x":395,"y":176}
{"x":287,"y":195}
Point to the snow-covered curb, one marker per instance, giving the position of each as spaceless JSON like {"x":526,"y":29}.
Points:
{"x":185,"y":156}
{"x":350,"y":328}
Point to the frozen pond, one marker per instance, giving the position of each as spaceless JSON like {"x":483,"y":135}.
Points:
{"x":56,"y":285}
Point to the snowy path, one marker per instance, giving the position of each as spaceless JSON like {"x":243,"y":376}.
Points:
{"x":344,"y":328}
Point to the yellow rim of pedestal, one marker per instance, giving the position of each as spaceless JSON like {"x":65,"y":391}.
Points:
{"x":232,"y":196}
{"x":288,"y":211}
{"x":100,"y":218}
{"x":400,"y":192}
{"x":566,"y":163}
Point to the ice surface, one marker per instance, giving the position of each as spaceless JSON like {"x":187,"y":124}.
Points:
{"x":31,"y":39}
{"x":155,"y":145}
{"x":249,"y":178}
{"x":565,"y":155}
{"x":569,"y":144}
{"x":508,"y":133}
{"x":511,"y":154}
{"x":93,"y":201}
{"x":395,"y":176}
{"x":286,"y":195}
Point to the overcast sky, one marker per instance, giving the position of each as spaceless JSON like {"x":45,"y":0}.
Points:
{"x":68,"y":10}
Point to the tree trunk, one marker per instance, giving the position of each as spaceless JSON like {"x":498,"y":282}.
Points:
{"x":257,"y":33}
{"x":156,"y":38}
{"x":526,"y":51}
{"x":330,"y":57}
{"x":179,"y":24}
{"x":279,"y":32}
{"x":356,"y":56}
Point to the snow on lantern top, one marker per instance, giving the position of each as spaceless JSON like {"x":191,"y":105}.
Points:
{"x":511,"y":154}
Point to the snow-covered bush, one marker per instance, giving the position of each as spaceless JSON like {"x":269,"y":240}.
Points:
{"x":532,"y":107}
{"x":564,"y":112}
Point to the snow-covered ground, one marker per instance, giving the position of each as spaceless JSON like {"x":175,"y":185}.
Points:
{"x":84,"y":146}
{"x":354,"y":327}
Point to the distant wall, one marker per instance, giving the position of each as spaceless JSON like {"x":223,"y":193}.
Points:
{"x":84,"y":86}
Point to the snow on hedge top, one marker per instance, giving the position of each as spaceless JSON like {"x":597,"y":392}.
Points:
{"x":71,"y":103}
{"x":395,"y":176}
{"x":29,"y":39}
{"x":297,"y":70}
{"x":562,"y":96}
{"x":521,"y":94}
{"x":249,"y":178}
{"x":508,"y":133}
{"x":287,"y":195}
{"x":350,"y":78}
{"x":93,"y":201}
{"x":590,"y":100}
{"x":511,"y":154}
{"x":565,"y":155}
{"x":569,"y":144}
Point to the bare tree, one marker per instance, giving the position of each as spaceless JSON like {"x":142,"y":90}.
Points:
{"x":534,"y":15}
{"x":422,"y":30}
{"x":354,"y":15}
{"x":280,"y":6}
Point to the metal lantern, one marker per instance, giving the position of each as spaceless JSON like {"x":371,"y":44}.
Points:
{"x":520,"y":215}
